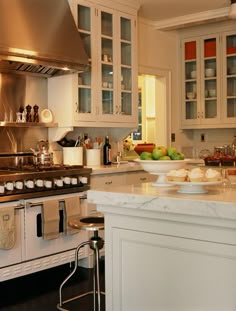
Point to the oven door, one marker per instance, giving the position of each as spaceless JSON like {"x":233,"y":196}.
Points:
{"x":35,"y":245}
{"x":14,"y":255}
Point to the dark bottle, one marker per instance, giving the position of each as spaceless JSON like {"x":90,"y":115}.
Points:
{"x":107,"y":152}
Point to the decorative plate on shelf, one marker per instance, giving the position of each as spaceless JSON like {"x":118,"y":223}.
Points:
{"x":46,"y":116}
{"x":194,"y":187}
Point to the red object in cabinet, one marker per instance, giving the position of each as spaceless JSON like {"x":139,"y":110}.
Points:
{"x":231,"y":50}
{"x":190,"y":50}
{"x":210,"y":48}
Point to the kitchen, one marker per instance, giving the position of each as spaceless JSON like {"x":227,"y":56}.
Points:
{"x":163,"y":57}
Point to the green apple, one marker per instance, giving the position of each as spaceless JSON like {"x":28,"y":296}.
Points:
{"x":146,"y":155}
{"x":164,"y":158}
{"x":158,"y":152}
{"x":171,"y":150}
{"x":177,"y":156}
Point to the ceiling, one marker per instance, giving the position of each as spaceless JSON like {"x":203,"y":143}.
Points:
{"x":169,"y":12}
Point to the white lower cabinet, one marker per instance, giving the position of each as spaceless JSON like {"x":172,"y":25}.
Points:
{"x":160,"y":272}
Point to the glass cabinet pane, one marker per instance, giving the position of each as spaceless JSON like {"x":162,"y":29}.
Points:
{"x":191,"y":110}
{"x":107,"y":102}
{"x":107,"y":50}
{"x":85,"y":77}
{"x":126,"y":103}
{"x":125,"y":29}
{"x":84,"y":95}
{"x":107,"y":76}
{"x":125,"y":54}
{"x":84,"y":18}
{"x":126,"y":79}
{"x":106,"y":24}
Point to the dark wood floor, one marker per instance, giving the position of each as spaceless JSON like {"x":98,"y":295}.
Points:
{"x":39,"y":291}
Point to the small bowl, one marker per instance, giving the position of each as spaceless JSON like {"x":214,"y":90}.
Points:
{"x":139,"y":148}
{"x":190,"y":95}
{"x":210,"y":72}
{"x":212,"y":93}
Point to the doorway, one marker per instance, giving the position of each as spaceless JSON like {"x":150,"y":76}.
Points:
{"x":153,"y":107}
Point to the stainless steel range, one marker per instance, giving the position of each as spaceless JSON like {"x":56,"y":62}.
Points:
{"x":27,"y":189}
{"x":31,"y":181}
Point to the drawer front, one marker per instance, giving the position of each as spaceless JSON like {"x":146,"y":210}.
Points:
{"x":139,"y":177}
{"x":108,"y":180}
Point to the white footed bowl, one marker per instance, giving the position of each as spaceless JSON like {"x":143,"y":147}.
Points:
{"x":161,"y":168}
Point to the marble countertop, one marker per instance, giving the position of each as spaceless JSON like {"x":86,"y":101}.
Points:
{"x":216,"y":203}
{"x":116,"y":168}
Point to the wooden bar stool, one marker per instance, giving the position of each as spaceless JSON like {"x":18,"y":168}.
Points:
{"x":95,"y":243}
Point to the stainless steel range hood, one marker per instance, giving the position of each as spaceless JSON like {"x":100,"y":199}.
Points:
{"x":39,"y":37}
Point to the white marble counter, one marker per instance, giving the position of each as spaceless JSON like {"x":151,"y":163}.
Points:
{"x":167,"y":250}
{"x":116,"y":168}
{"x":216,"y":203}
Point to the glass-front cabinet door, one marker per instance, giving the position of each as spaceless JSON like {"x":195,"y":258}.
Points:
{"x":210,"y":82}
{"x":191,"y":72}
{"x":107,"y":90}
{"x":85,"y":83}
{"x":229,"y":78}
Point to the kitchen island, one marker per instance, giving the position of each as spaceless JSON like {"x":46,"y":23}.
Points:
{"x":169,"y":251}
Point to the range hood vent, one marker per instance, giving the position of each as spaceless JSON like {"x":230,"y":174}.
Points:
{"x":39,"y":37}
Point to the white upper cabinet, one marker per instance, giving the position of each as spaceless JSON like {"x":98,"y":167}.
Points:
{"x":208,"y":83}
{"x":105,"y":94}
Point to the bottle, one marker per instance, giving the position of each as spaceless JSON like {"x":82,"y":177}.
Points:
{"x":107,"y":152}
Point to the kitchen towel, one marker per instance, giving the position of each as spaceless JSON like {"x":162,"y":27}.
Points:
{"x":71,"y":213}
{"x":50,"y":219}
{"x":7,"y":227}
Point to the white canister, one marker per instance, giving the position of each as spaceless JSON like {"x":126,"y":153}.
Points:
{"x":73,"y":155}
{"x":93,"y":157}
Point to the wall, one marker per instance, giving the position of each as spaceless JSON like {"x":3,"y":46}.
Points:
{"x":16,"y":91}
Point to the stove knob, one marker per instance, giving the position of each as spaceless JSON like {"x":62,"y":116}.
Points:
{"x":39,"y":183}
{"x":74,"y":181}
{"x":58,"y":182}
{"x":2,"y":189}
{"x":83,"y":180}
{"x":48,"y":183}
{"x":9,"y":185}
{"x":29,"y":184}
{"x":19,"y":185}
{"x":66,"y":180}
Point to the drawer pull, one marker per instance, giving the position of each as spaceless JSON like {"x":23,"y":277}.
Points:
{"x":143,"y":178}
{"x":108,"y":182}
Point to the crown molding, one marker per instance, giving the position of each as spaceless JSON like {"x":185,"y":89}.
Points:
{"x":192,"y":19}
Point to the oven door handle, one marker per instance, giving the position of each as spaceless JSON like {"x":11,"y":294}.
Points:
{"x":31,"y":204}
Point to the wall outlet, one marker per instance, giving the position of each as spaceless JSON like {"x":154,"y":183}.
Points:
{"x":172,"y":137}
{"x":203,"y":138}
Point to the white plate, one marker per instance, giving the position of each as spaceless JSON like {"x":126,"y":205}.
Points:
{"x":194,"y":187}
{"x":46,"y":116}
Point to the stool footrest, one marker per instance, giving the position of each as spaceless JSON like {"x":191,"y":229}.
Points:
{"x":75,"y":298}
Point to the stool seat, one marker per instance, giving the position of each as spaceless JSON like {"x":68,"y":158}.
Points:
{"x":88,"y":223}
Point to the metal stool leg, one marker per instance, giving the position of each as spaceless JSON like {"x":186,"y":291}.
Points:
{"x":95,"y":244}
{"x":70,"y":275}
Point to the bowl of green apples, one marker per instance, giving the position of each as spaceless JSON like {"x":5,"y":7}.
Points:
{"x":160,"y":161}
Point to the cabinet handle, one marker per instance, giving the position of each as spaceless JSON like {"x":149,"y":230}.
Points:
{"x":108,"y":182}
{"x":76,"y":107}
{"x":202,"y":115}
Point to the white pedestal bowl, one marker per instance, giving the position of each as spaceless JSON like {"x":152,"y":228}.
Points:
{"x":161,"y":168}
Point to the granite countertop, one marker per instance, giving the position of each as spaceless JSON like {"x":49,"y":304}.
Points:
{"x":218,"y":202}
